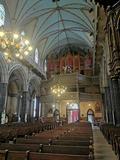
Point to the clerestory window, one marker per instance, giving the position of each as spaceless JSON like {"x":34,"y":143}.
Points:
{"x":36,"y":56}
{"x":2,"y":15}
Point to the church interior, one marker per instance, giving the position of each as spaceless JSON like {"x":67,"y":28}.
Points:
{"x":59,"y":79}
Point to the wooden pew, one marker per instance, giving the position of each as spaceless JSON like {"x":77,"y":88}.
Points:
{"x":53,"y":142}
{"x":73,"y":139}
{"x":9,"y":131}
{"x":16,"y":155}
{"x":20,"y":147}
{"x":57,"y":149}
{"x":62,"y":136}
{"x":77,"y":150}
{"x":37,"y":156}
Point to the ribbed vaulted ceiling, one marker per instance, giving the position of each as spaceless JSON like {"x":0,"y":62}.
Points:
{"x":45,"y":22}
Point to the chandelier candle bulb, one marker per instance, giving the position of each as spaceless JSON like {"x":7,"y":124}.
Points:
{"x":16,"y":36}
{"x":6,"y":54}
{"x":26,"y":53}
{"x":30,"y":48}
{"x":2,"y":34}
{"x":27,"y":42}
{"x":17,"y":55}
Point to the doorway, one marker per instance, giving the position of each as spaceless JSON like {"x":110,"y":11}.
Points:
{"x":90,"y":116}
{"x":72,"y":112}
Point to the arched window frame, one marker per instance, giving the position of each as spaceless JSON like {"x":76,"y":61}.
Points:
{"x":2,"y":15}
{"x":36,"y":56}
{"x":45,"y":66}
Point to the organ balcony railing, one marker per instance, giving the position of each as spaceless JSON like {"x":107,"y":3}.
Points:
{"x":67,"y":96}
{"x":89,"y":96}
{"x":71,"y":79}
{"x":71,"y":96}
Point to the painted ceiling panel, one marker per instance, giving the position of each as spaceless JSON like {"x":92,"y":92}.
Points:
{"x":46,"y":22}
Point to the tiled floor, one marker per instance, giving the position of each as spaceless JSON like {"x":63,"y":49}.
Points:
{"x":102,"y":150}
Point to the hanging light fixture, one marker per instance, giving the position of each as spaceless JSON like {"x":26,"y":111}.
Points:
{"x":58,"y":89}
{"x":14,"y":45}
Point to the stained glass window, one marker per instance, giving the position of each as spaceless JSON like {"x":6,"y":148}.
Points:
{"x":36,"y":55}
{"x":2,"y":15}
{"x":45,"y":66}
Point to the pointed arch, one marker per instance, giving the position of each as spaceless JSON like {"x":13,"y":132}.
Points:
{"x":20,"y":70}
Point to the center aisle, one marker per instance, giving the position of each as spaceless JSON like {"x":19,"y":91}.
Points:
{"x":102,"y":150}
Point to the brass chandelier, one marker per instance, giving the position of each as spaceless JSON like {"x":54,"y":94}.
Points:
{"x":58,"y":89}
{"x":14,"y":45}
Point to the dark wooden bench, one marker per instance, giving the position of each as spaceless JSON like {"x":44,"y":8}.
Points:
{"x":53,"y":142}
{"x":79,"y":138}
{"x":8,"y":132}
{"x":69,"y":140}
{"x":77,"y":150}
{"x":16,"y":155}
{"x":60,"y":149}
{"x":62,"y":137}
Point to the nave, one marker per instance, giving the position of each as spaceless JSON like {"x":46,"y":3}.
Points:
{"x":59,"y":79}
{"x":52,"y":140}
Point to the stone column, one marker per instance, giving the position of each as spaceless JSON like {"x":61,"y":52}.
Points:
{"x":112,"y":100}
{"x":106,"y":105}
{"x":3,"y":98}
{"x":24,"y":105}
{"x":116,"y":97}
{"x":103,"y":109}
{"x":19,"y":104}
{"x":42,"y":109}
{"x":109,"y":106}
{"x":37,"y":106}
{"x":29,"y":109}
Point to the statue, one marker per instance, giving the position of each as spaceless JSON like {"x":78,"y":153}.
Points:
{"x":3,"y":119}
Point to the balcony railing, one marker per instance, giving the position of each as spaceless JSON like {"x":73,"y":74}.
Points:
{"x":88,"y":80}
{"x":72,"y":96}
{"x":89,"y":97}
{"x":71,"y":79}
{"x":67,"y":96}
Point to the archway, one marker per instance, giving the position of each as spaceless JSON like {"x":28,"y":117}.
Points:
{"x":90,"y":116}
{"x":34,"y":100}
{"x":16,"y":87}
{"x":56,"y":115}
{"x":72,"y":112}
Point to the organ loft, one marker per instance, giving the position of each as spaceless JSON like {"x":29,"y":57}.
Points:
{"x":59,"y":79}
